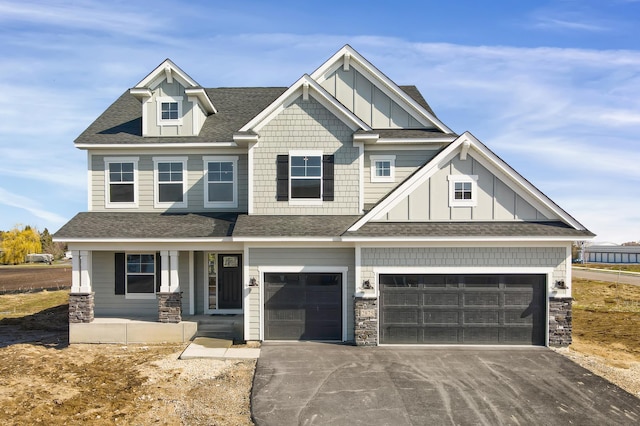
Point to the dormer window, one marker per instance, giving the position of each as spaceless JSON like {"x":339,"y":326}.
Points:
{"x":169,"y":110}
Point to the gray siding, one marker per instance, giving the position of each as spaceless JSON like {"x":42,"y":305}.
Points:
{"x":306,"y":125}
{"x":108,"y":304}
{"x":495,"y":200}
{"x":183,"y":277}
{"x":406,"y":163}
{"x":474,"y":257}
{"x":190,"y":111}
{"x":368,"y":102}
{"x":262,"y":257}
{"x":195,"y":183}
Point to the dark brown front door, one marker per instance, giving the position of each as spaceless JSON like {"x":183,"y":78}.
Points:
{"x":230,"y":281}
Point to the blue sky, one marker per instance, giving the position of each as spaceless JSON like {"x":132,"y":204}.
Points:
{"x":553,"y":87}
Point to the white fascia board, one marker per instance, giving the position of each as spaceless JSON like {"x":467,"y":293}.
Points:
{"x":438,"y":141}
{"x":496,"y":162}
{"x":390,"y":240}
{"x":143,"y":240}
{"x":285,"y":239}
{"x":391,"y":89}
{"x":138,"y":146}
{"x":202,"y":96}
{"x":295,"y":91}
{"x":159,"y":71}
{"x":492,"y":162}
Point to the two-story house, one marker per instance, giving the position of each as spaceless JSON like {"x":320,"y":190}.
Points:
{"x":337,"y":209}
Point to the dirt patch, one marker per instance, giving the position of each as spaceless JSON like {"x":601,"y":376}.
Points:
{"x":20,"y":279}
{"x":43,"y":380}
{"x":606,"y":331}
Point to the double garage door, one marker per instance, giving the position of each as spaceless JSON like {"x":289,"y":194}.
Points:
{"x":462,"y":309}
{"x":303,"y":306}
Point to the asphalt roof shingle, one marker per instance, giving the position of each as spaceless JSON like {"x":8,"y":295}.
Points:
{"x":468,"y":229}
{"x":292,"y":226}
{"x":108,"y":225}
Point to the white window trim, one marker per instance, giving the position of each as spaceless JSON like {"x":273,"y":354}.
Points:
{"x":107,"y":200}
{"x":392,"y":173}
{"x":140,"y":296}
{"x":156,"y":182}
{"x":159,"y":101}
{"x":307,"y":201}
{"x":220,"y":204}
{"x":453,"y":179}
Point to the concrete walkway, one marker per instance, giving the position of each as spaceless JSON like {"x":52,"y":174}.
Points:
{"x":207,"y":347}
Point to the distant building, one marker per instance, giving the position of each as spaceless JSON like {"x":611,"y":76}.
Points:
{"x":612,"y":253}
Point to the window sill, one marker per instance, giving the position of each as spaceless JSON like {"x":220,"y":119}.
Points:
{"x":140,"y":296}
{"x":305,"y":202}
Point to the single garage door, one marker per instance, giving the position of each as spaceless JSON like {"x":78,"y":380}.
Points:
{"x":462,"y":309}
{"x":303,"y":306}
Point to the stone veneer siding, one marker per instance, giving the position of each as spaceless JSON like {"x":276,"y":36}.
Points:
{"x":170,"y":307}
{"x":366,"y":321}
{"x":560,"y":319}
{"x":81,"y":308}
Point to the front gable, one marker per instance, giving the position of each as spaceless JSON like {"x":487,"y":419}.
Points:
{"x":371,"y":95}
{"x":466,"y":182}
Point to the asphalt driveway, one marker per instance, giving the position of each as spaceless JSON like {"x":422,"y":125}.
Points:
{"x":328,"y":384}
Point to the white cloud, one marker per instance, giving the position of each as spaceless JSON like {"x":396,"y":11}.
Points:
{"x":31,"y":206}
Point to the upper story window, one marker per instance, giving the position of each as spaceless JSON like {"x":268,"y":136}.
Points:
{"x":463,"y":190}
{"x":221,"y":182}
{"x":169,"y":110}
{"x":383,"y":168}
{"x":121,"y":182}
{"x":170,"y":182}
{"x":305,"y":177}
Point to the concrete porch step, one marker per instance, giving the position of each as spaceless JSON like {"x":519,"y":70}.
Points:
{"x":230,"y":327}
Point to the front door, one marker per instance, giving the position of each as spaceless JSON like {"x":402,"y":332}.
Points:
{"x":229,"y":281}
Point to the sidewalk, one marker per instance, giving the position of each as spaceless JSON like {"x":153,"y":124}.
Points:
{"x":207,"y":347}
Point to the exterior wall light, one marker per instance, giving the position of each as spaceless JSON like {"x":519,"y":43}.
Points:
{"x":366,"y":285}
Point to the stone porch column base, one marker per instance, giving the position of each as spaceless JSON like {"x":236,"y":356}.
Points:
{"x":169,"y":307}
{"x":81,"y":307}
{"x":560,"y":316}
{"x":366,"y":321}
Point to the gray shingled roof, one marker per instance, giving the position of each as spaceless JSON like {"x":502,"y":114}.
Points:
{"x":292,"y":226}
{"x":121,"y":123}
{"x":468,"y":229}
{"x":99,"y":225}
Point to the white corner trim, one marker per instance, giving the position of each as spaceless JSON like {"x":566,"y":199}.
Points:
{"x":250,"y":177}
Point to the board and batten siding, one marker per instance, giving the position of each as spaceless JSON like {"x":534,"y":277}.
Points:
{"x":465,"y":257}
{"x":308,"y":257}
{"x":306,"y":125}
{"x":406,"y":162}
{"x":192,"y":115}
{"x":495,"y":200}
{"x":368,"y":102}
{"x":146,"y":188}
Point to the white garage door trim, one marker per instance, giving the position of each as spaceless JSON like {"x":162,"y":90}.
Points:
{"x":465,"y":270}
{"x":305,"y":269}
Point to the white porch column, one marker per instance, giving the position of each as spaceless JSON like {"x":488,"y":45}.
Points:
{"x":81,"y":272}
{"x":174,"y":280}
{"x":165,"y":283}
